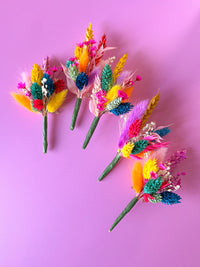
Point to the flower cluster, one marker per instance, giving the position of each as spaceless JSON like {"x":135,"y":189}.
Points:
{"x":138,"y":138}
{"x":41,"y":86}
{"x":157,"y":181}
{"x":41,"y":92}
{"x":81,"y":69}
{"x":111,"y":91}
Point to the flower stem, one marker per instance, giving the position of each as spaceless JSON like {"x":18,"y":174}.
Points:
{"x":110,"y":166}
{"x":91,"y":131}
{"x":75,"y":112}
{"x":124,"y":212}
{"x":45,"y":144}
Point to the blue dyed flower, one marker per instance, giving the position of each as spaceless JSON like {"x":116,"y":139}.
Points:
{"x":164,"y":131}
{"x":170,"y":198}
{"x":122,"y":109}
{"x":81,"y":80}
{"x":47,"y":85}
{"x":152,"y":186}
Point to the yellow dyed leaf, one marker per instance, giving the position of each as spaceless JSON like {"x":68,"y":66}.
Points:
{"x":150,"y":166}
{"x":112,"y":93}
{"x":89,"y":33}
{"x":56,"y":101}
{"x":84,"y":59}
{"x":137,"y":177}
{"x":36,"y":74}
{"x":22,"y":100}
{"x":119,"y":67}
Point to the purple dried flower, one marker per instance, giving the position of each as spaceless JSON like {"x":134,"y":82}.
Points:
{"x":176,"y":158}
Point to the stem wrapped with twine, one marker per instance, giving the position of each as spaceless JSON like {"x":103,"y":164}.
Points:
{"x":45,"y":144}
{"x":75,"y":112}
{"x":91,"y":131}
{"x":124,"y":212}
{"x":110,"y":166}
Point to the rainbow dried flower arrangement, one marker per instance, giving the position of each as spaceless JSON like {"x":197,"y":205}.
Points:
{"x":42,"y":92}
{"x":155,"y":182}
{"x":81,"y":69}
{"x":138,"y":138}
{"x":110,"y":94}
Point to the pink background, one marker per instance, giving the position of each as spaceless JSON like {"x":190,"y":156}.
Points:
{"x":53,"y":211}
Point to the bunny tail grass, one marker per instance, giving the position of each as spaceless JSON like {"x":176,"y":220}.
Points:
{"x":45,"y":133}
{"x":110,"y":166}
{"x":91,"y":131}
{"x":124,"y":212}
{"x":75,"y":112}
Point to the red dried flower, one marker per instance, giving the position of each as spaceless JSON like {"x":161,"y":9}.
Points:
{"x":134,"y":128}
{"x":38,"y":104}
{"x":59,"y":85}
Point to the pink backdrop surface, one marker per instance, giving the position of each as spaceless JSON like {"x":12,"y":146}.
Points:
{"x":53,"y":211}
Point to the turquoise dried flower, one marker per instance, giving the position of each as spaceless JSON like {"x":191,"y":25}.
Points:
{"x":152,"y":186}
{"x":106,"y":78}
{"x":139,"y":146}
{"x":36,"y":91}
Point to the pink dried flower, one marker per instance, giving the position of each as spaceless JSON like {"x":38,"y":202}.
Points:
{"x":49,"y":72}
{"x":138,"y":78}
{"x":54,"y":69}
{"x":122,"y":94}
{"x":162,"y":166}
{"x":21,"y":85}
{"x":134,"y":128}
{"x":28,"y":93}
{"x":153,"y":175}
{"x":100,"y":107}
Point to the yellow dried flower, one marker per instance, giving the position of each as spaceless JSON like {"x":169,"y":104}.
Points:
{"x":150,"y":108}
{"x":89,"y":33}
{"x":77,"y":52}
{"x":119,"y":67}
{"x":127,"y":149}
{"x":150,"y":166}
{"x":36,"y":74}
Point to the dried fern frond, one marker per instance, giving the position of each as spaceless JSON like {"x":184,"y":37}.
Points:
{"x":22,"y":100}
{"x":56,"y":101}
{"x":89,"y":33}
{"x":150,"y":108}
{"x":119,"y":67}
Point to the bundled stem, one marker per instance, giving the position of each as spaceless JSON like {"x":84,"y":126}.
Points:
{"x":91,"y":131}
{"x":75,"y":112}
{"x":124,"y":212}
{"x":110,"y":166}
{"x":45,"y":144}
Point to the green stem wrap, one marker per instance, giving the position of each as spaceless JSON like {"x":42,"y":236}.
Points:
{"x":91,"y":131}
{"x":75,"y":112}
{"x":110,"y":166}
{"x":124,"y":212}
{"x":45,"y":144}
